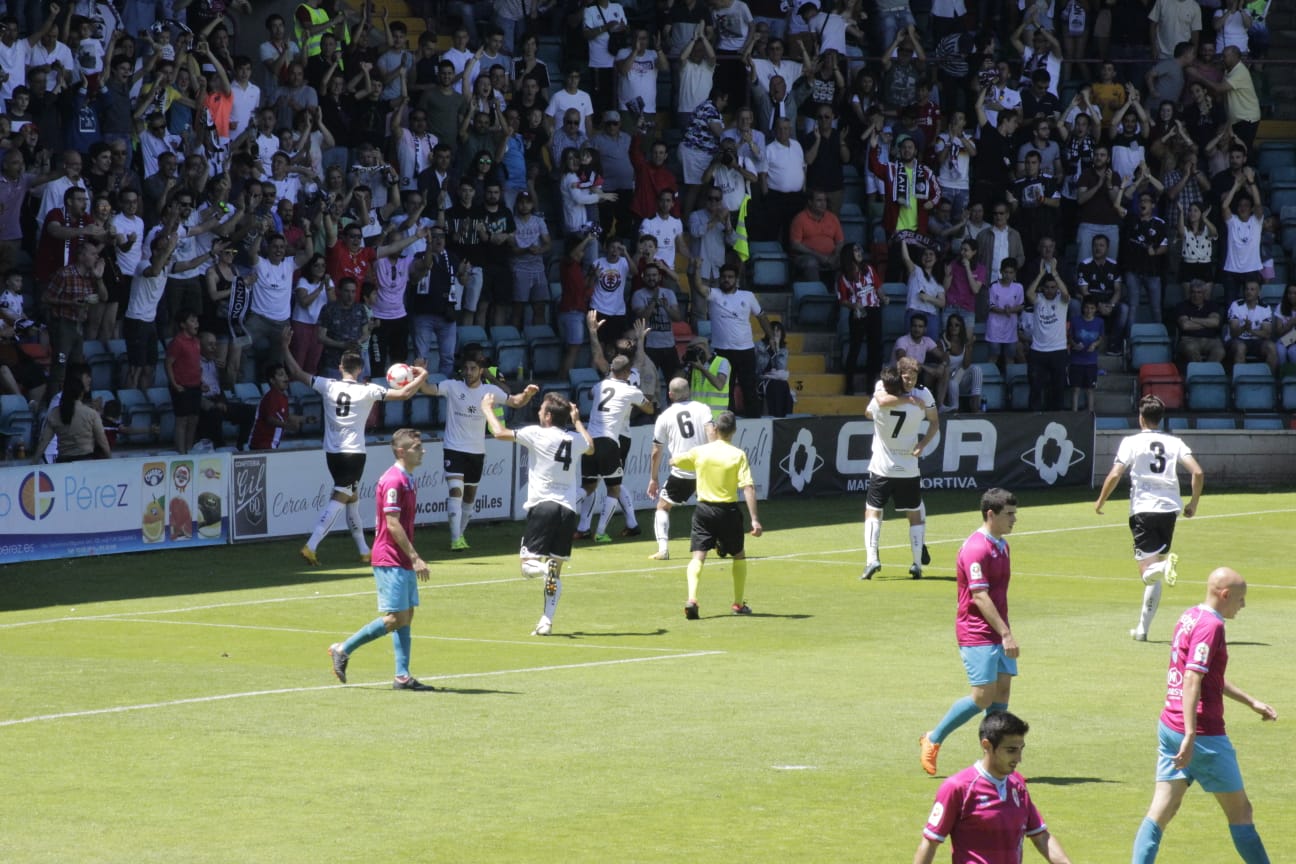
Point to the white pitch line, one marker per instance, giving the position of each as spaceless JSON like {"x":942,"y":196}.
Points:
{"x":530,"y":643}
{"x":198,"y":700}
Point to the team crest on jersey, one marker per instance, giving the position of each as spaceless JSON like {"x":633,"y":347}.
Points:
{"x":1201,"y":653}
{"x":975,"y":571}
{"x":393,"y":496}
{"x":938,"y":812}
{"x":610,"y":280}
{"x":1016,"y":796}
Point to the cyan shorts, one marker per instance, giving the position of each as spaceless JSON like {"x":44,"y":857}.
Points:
{"x":397,"y":589}
{"x":1214,"y":763}
{"x":985,"y":663}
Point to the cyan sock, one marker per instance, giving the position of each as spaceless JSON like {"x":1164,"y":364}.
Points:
{"x":401,"y":645}
{"x":959,"y":713}
{"x":1146,"y":842}
{"x":365,"y":635}
{"x":996,"y":708}
{"x":1247,"y":842}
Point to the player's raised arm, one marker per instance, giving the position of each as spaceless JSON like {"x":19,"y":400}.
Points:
{"x":400,"y":394}
{"x":496,"y":426}
{"x":295,"y":371}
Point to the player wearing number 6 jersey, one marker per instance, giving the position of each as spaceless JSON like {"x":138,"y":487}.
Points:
{"x":346,"y":409}
{"x":897,"y":410}
{"x":1153,"y":458}
{"x":553,"y":491}
{"x":680,"y":428}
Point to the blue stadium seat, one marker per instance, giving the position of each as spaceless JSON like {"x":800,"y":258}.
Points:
{"x":766,"y":249}
{"x":770,"y":273}
{"x":163,"y":413}
{"x":1207,"y":387}
{"x":1216,"y":423}
{"x":1287,"y":385}
{"x":17,"y":421}
{"x":1149,"y":343}
{"x":247,"y":392}
{"x":1253,"y":387}
{"x":471,"y":333}
{"x":546,"y":350}
{"x":1017,"y":386}
{"x":812,"y":305}
{"x":511,"y":351}
{"x":1177,"y":423}
{"x":423,"y":411}
{"x":893,"y":323}
{"x":1267,"y":422}
{"x":1271,"y":293}
{"x":1113,"y":423}
{"x":394,"y":415}
{"x":992,"y":386}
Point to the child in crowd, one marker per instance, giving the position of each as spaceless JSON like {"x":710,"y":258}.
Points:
{"x":1086,"y":335}
{"x":1007,"y":299}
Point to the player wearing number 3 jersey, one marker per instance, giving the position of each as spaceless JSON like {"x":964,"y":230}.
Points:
{"x":347,"y":403}
{"x":1152,"y":459}
{"x":897,"y":410}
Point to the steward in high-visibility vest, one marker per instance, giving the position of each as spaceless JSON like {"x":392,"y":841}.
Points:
{"x":310,"y":42}
{"x":740,"y":230}
{"x":708,"y":375}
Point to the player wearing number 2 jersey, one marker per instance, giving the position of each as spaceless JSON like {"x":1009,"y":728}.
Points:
{"x":1153,"y":458}
{"x":897,"y":410}
{"x":614,"y":397}
{"x":553,"y":491}
{"x":346,"y":409}
{"x":680,"y":428}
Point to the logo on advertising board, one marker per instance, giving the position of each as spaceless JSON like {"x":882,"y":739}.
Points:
{"x":802,"y":460}
{"x":36,"y":495}
{"x":1053,"y":454}
{"x":250,"y":497}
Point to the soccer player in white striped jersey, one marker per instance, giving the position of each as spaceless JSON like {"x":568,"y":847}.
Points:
{"x":347,"y":403}
{"x":614,"y":397}
{"x":681,"y":427}
{"x":1152,"y":458}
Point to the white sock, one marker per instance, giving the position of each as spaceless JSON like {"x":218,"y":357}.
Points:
{"x":872,"y":536}
{"x":356,"y":527}
{"x":533,"y":567}
{"x":1151,"y":600}
{"x":1153,"y":572}
{"x":627,"y":507}
{"x":661,"y":529}
{"x":552,"y":591}
{"x":917,"y":536}
{"x":325,"y":523}
{"x":465,"y":516}
{"x":610,"y":505}
{"x":586,"y":512}
{"x":454,"y":507}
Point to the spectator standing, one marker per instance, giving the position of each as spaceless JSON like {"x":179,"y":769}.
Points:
{"x":1147,"y":243}
{"x":1242,"y":217}
{"x":656,"y":306}
{"x":184,"y":377}
{"x":1085,"y":336}
{"x":530,"y":244}
{"x":1048,"y":350}
{"x":859,"y":291}
{"x":1098,"y":277}
{"x":603,"y":19}
{"x":1172,"y":22}
{"x":712,"y":231}
{"x":731,"y":310}
{"x":430,"y":297}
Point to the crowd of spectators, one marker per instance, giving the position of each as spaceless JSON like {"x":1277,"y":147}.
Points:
{"x":363,"y":189}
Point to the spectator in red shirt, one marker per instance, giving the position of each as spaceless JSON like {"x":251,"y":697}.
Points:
{"x":62,"y":232}
{"x":67,"y":299}
{"x":575,"y":300}
{"x":651,"y":178}
{"x":349,"y":258}
{"x":184,"y":374}
{"x":272,"y":416}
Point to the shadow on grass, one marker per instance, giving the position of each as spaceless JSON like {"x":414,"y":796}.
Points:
{"x":790,"y":617}
{"x":1067,"y":781}
{"x":581,"y":634}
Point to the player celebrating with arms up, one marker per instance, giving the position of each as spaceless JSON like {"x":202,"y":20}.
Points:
{"x":1192,"y":744}
{"x":396,"y":565}
{"x":1153,"y":457}
{"x":553,"y":491}
{"x":986,"y":643}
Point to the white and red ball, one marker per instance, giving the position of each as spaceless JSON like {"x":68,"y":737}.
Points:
{"x":399,"y":375}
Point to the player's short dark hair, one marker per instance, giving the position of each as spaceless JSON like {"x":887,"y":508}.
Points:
{"x":271,"y":370}
{"x":891,"y":381}
{"x":352,"y":361}
{"x":995,"y":500}
{"x":404,"y":439}
{"x":1151,"y":409}
{"x":1008,"y":263}
{"x":559,"y":409}
{"x":620,"y":365}
{"x":725,"y":423}
{"x":997,"y":726}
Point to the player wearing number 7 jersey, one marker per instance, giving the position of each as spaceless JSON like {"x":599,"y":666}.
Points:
{"x":347,"y":403}
{"x":897,"y":410}
{"x":1153,"y":458}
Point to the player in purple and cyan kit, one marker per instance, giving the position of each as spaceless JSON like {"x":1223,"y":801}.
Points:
{"x":1192,"y":745}
{"x":397,"y":567}
{"x":985,"y":810}
{"x":986,"y":645}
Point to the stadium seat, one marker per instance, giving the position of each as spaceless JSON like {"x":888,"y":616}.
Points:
{"x":704,"y":328}
{"x":247,"y":392}
{"x":770,"y":274}
{"x":893,"y":324}
{"x":812,"y":305}
{"x":1177,"y":423}
{"x":1253,"y":387}
{"x":423,"y":411}
{"x":1281,"y":199}
{"x":1216,"y":423}
{"x":470,"y":333}
{"x":511,"y":353}
{"x":1272,"y":158}
{"x":546,"y":350}
{"x":1283,"y":174}
{"x":1267,"y":422}
{"x":1287,"y":384}
{"x":1206,"y":386}
{"x":1163,"y":381}
{"x":163,"y":413}
{"x":1110,"y":424}
{"x":1017,"y":386}
{"x":1149,"y":343}
{"x":17,"y":421}
{"x":394,"y":414}
{"x":1271,"y":293}
{"x":136,"y":408}
{"x":766,"y":249}
{"x":896,"y":292}
{"x":305,"y":401}
{"x":582,"y":378}
{"x":992,"y":386}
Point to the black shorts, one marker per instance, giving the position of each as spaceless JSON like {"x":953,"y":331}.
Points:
{"x":718,"y":527}
{"x":141,"y":342}
{"x":604,"y":463}
{"x":1082,"y":375}
{"x":679,"y":490}
{"x":624,"y":444}
{"x":904,"y":492}
{"x":186,"y":402}
{"x":466,"y":465}
{"x":549,"y":530}
{"x":346,"y":469}
{"x":1153,"y":533}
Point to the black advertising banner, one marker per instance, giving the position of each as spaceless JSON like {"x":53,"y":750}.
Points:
{"x":830,"y":455}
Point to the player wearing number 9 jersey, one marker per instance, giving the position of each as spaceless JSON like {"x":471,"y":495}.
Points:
{"x":1152,"y":459}
{"x":346,"y":403}
{"x":897,"y":410}
{"x":553,"y":491}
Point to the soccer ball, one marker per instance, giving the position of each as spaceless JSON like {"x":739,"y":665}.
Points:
{"x":399,"y":375}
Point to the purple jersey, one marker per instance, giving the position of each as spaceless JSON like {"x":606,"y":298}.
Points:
{"x":986,"y":821}
{"x":395,"y":494}
{"x":983,"y":565}
{"x":1198,"y":644}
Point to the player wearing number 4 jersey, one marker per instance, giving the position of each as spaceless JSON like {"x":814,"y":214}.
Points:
{"x":680,"y":428}
{"x":553,"y":491}
{"x":346,"y":408}
{"x":1152,"y":459}
{"x":897,"y":410}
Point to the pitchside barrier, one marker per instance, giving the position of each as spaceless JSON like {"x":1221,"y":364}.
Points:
{"x":174,"y":502}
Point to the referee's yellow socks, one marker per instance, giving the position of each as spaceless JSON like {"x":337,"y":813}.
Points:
{"x":694,"y":574}
{"x":740,"y":579}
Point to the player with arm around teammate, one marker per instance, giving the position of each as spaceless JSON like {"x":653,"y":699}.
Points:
{"x":1192,"y":744}
{"x":614,"y":397}
{"x":681,"y":427}
{"x":897,"y":410}
{"x":347,"y":403}
{"x":1152,"y":458}
{"x":986,"y":643}
{"x":465,"y":438}
{"x":397,"y":566}
{"x":553,"y":491}
{"x":985,"y":810}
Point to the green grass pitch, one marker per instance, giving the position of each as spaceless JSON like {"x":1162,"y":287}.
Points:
{"x":179,"y":707}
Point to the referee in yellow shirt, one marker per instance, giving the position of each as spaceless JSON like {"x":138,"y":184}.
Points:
{"x":722,"y":472}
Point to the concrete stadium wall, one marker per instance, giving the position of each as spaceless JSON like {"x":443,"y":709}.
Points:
{"x":1265,"y":459}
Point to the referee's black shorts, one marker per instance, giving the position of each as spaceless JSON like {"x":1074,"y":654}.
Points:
{"x":718,"y":527}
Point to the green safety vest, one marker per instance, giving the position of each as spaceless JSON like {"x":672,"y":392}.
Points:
{"x":704,"y":392}
{"x":740,"y":229}
{"x":318,"y":16}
